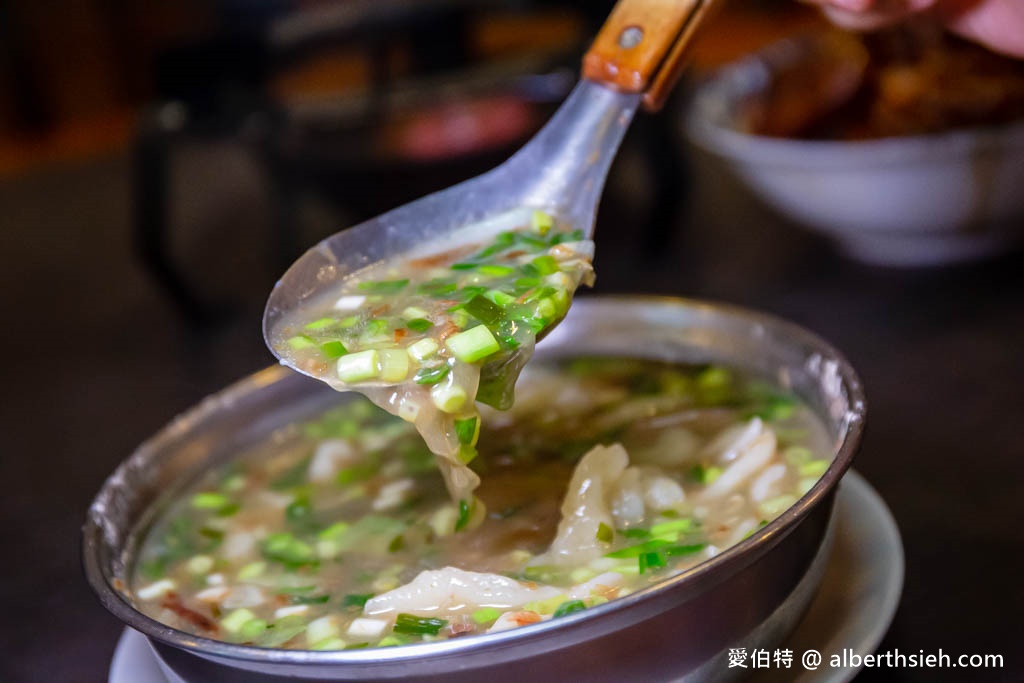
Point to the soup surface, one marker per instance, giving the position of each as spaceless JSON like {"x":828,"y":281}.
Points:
{"x":428,"y":335}
{"x":607,"y":475}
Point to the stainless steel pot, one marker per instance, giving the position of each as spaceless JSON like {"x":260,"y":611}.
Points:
{"x":751,"y":595}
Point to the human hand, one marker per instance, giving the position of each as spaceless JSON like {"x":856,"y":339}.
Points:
{"x":997,"y":24}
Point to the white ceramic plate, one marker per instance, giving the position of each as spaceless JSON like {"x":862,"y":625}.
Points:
{"x":852,"y":610}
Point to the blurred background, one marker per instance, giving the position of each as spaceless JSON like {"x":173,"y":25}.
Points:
{"x":162,"y":162}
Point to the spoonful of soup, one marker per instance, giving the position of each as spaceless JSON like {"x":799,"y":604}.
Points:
{"x":435,"y":305}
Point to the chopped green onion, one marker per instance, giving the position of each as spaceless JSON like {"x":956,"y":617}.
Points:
{"x":437,"y":288}
{"x":321,"y":323}
{"x":356,"y":599}
{"x":465,"y":512}
{"x":309,"y":599}
{"x":704,"y":474}
{"x":210,"y":501}
{"x":651,"y":560}
{"x":299,"y":511}
{"x":449,"y":398}
{"x":463,"y":266}
{"x":485,"y":615}
{"x":251,"y":570}
{"x":527,"y":283}
{"x":419,"y":324}
{"x":359,"y":366}
{"x":485,"y":310}
{"x":394,"y":365}
{"x":283,"y":547}
{"x":635,"y":533}
{"x":467,"y":454}
{"x":813,"y":468}
{"x":333,"y":531}
{"x":683,"y":550}
{"x":671,"y":526}
{"x":499,"y":297}
{"x":541,"y":222}
{"x":333,"y":349}
{"x":413,"y":312}
{"x":423,"y":349}
{"x":355,"y":473}
{"x":431,"y":375}
{"x":494,"y":270}
{"x":411,"y":624}
{"x":322,"y":629}
{"x":300,"y":342}
{"x":238,"y":618}
{"x":468,"y":430}
{"x":545,"y":265}
{"x":562,"y":237}
{"x":569,"y":607}
{"x":797,"y":455}
{"x":605,"y":534}
{"x":331,"y":644}
{"x":383,"y":286}
{"x":637,"y":550}
{"x":474,"y":344}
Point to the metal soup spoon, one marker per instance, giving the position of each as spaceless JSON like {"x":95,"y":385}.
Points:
{"x":635,"y":60}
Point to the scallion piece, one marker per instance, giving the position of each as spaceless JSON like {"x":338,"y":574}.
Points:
{"x":813,"y":468}
{"x":465,"y":512}
{"x":651,"y":560}
{"x":300,"y":342}
{"x":356,"y":599}
{"x":423,"y":349}
{"x":605,"y":534}
{"x":683,"y":550}
{"x":431,"y":375}
{"x":283,"y":547}
{"x":209,"y":501}
{"x":419,"y":324}
{"x":463,"y":266}
{"x":485,"y":310}
{"x":383,"y":286}
{"x":412,"y":312}
{"x":321,"y":323}
{"x":569,"y":607}
{"x":499,"y":297}
{"x":672,"y":526}
{"x":309,"y":599}
{"x":467,"y":454}
{"x":468,"y":430}
{"x":413,"y":625}
{"x":238,"y":618}
{"x":474,"y":344}
{"x":495,"y":270}
{"x":449,"y":397}
{"x":359,"y":366}
{"x":394,"y":365}
{"x":546,"y":264}
{"x":541,"y":222}
{"x":637,"y":550}
{"x":437,"y":288}
{"x":333,"y":349}
{"x":486,"y":615}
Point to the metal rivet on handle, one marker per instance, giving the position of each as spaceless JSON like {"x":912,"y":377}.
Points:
{"x":631,"y":37}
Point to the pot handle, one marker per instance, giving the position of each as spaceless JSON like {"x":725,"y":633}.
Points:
{"x":640,"y":48}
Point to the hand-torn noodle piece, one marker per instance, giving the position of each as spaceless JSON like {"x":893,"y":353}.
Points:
{"x":453,"y":589}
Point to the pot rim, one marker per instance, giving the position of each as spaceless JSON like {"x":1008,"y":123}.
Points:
{"x":708,"y":572}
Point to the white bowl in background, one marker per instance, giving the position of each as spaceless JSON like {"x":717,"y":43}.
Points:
{"x":904,"y":201}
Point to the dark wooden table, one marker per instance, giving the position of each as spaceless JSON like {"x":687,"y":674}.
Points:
{"x":95,"y":360}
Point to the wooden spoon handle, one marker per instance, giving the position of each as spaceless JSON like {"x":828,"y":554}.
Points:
{"x":641,"y":46}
